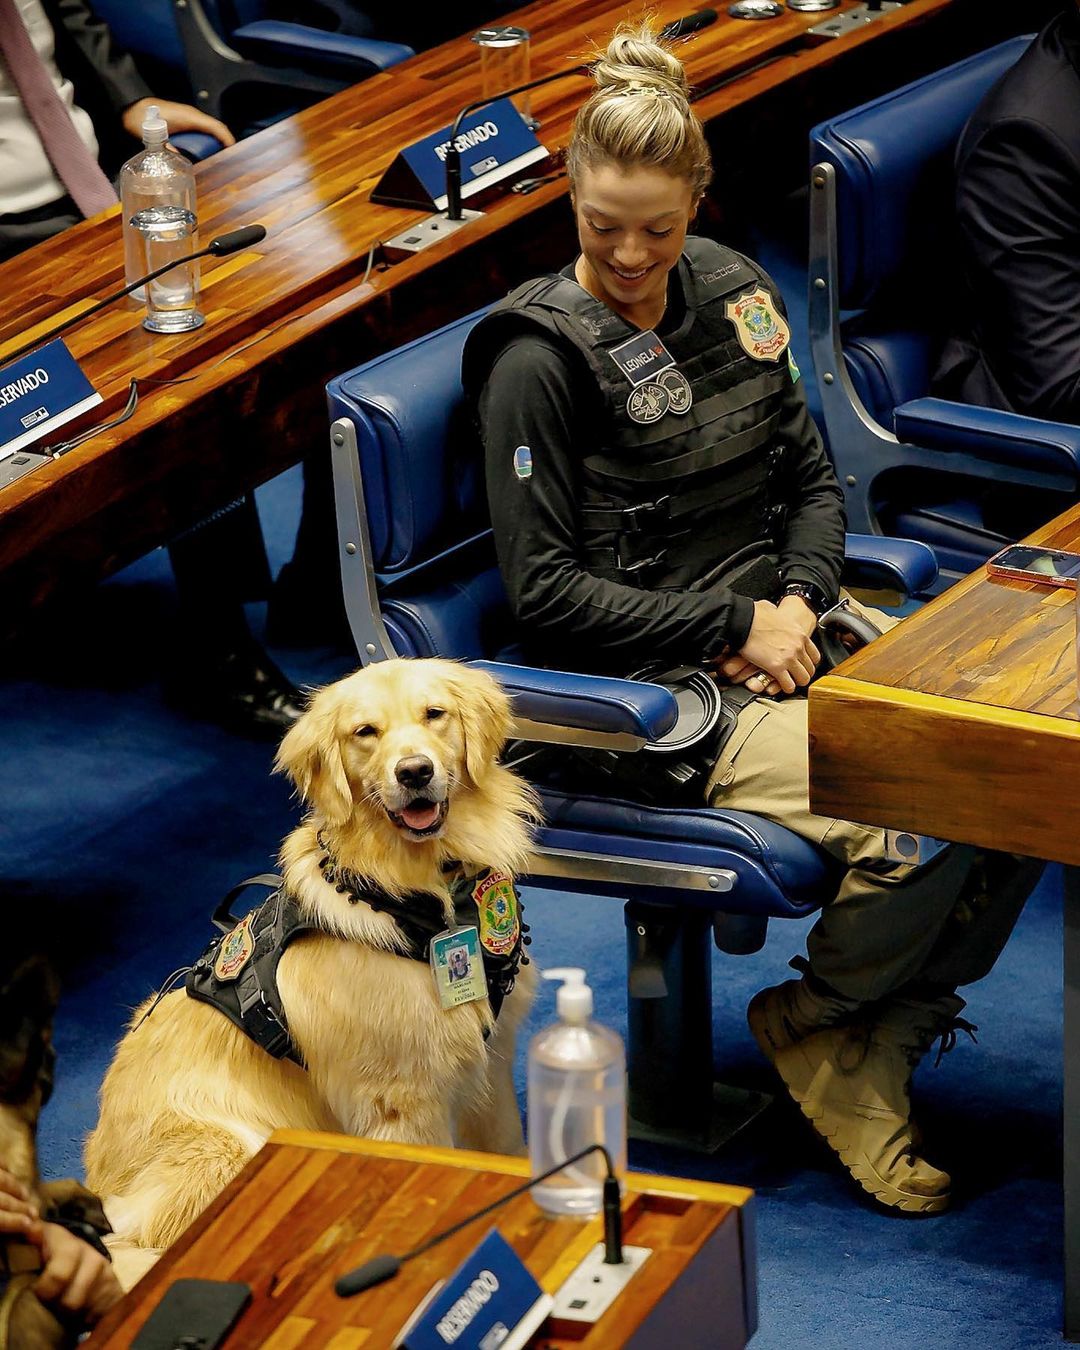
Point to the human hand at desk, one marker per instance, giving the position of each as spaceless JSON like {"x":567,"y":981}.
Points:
{"x":74,"y":1277}
{"x":178,"y":117}
{"x":779,"y":656}
{"x":18,"y":1212}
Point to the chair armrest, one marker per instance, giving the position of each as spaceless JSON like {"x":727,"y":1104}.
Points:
{"x":195,"y":145}
{"x":591,"y":703}
{"x":280,"y":43}
{"x":876,"y":560}
{"x":993,"y":435}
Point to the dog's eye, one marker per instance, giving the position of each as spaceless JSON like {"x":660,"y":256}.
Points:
{"x":433,"y":714}
{"x":367,"y":730}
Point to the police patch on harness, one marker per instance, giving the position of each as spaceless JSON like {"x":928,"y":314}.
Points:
{"x":762,"y":332}
{"x":497,"y":911}
{"x":235,"y":950}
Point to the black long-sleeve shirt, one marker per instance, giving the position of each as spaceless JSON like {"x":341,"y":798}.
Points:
{"x":540,"y":396}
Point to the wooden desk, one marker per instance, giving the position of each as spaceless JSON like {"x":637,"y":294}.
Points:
{"x":964,"y":723}
{"x":284,"y":317}
{"x":309,"y":1207}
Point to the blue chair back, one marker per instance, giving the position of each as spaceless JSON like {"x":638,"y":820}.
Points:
{"x":422,"y":471}
{"x":893,"y":159}
{"x":883,"y":264}
{"x":894,"y":172}
{"x":147,"y":29}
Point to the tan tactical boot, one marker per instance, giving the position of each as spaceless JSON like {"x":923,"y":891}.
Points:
{"x":852,"y":1083}
{"x":787,"y":1012}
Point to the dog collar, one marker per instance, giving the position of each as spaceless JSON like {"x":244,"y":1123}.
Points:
{"x":418,"y":914}
{"x":420,"y":917}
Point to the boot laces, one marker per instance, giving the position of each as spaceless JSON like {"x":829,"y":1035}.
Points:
{"x":948,"y":1035}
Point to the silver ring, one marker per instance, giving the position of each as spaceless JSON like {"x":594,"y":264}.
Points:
{"x":762,"y":675}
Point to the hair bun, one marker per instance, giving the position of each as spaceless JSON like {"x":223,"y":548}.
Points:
{"x":636,"y":59}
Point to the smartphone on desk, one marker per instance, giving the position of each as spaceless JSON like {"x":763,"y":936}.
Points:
{"x":193,"y":1313}
{"x":1044,"y":566}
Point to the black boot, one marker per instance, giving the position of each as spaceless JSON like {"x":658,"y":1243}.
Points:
{"x":241,"y":689}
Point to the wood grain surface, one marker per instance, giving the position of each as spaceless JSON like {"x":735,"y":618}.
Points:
{"x":284,"y":317}
{"x":310,"y":1207}
{"x":963,"y":722}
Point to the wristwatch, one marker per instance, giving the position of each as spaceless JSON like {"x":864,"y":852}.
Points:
{"x":814,"y":596}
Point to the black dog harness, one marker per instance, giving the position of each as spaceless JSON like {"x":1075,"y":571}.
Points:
{"x":237,"y":973}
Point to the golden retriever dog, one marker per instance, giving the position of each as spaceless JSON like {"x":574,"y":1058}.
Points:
{"x":398,"y":766}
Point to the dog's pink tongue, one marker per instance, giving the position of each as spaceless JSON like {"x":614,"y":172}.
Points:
{"x":420,"y":817}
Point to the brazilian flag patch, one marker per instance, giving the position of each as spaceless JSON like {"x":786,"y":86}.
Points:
{"x":792,"y":367}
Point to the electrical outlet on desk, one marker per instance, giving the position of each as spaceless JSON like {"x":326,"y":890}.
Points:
{"x":593,"y":1287}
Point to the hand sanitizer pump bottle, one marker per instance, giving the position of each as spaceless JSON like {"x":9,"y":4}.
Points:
{"x":576,"y":1097}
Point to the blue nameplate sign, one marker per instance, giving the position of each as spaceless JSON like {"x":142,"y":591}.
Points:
{"x":491,"y":1302}
{"x":495,"y":143}
{"x":40,"y":392}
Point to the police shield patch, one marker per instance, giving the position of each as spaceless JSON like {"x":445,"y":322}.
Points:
{"x":235,"y":950}
{"x":761,"y":330}
{"x":497,"y":912}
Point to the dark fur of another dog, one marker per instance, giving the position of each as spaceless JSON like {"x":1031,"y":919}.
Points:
{"x":28,"y":995}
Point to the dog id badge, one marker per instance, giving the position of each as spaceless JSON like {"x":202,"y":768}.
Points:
{"x":458,"y":967}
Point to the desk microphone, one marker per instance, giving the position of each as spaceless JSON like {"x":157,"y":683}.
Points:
{"x":453,"y":154}
{"x":689,"y":23}
{"x":385,"y":1267}
{"x":231,"y":242}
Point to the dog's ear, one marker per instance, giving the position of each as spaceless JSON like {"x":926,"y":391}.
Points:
{"x":310,"y":754}
{"x":486,"y":721}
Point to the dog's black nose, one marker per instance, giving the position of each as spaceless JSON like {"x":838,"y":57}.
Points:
{"x":414,"y":772}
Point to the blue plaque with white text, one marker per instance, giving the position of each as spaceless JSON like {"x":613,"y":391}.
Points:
{"x":40,"y":392}
{"x":490,"y":1302}
{"x":494,"y":142}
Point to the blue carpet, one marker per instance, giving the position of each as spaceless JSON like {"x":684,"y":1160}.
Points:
{"x":124,"y":822}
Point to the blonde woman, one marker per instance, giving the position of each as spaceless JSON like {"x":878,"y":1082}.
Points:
{"x":659,"y":491}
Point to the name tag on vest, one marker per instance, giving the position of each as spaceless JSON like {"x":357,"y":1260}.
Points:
{"x":494,"y":143}
{"x":490,"y":1301}
{"x":642,"y":357}
{"x":39,"y":393}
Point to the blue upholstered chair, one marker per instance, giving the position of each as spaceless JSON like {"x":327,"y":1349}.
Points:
{"x":421,"y":579}
{"x":881,"y":285}
{"x":248,"y":71}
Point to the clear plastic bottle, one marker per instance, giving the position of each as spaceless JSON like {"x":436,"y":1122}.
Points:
{"x":576,"y":1097}
{"x":157,"y":178}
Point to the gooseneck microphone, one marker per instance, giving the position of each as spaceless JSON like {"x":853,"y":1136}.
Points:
{"x":453,"y":154}
{"x":385,"y":1267}
{"x":689,"y":23}
{"x":230,"y":242}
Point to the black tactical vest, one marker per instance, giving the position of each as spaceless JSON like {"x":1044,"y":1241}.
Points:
{"x":679,"y":492}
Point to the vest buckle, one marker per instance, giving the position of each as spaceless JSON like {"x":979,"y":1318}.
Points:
{"x":266,"y":1029}
{"x":637,"y":569}
{"x":647,"y":515}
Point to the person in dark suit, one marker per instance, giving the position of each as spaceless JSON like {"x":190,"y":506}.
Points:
{"x":225,"y":674}
{"x":1015,"y":342}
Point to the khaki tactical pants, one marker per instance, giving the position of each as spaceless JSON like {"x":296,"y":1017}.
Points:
{"x":941,"y":924}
